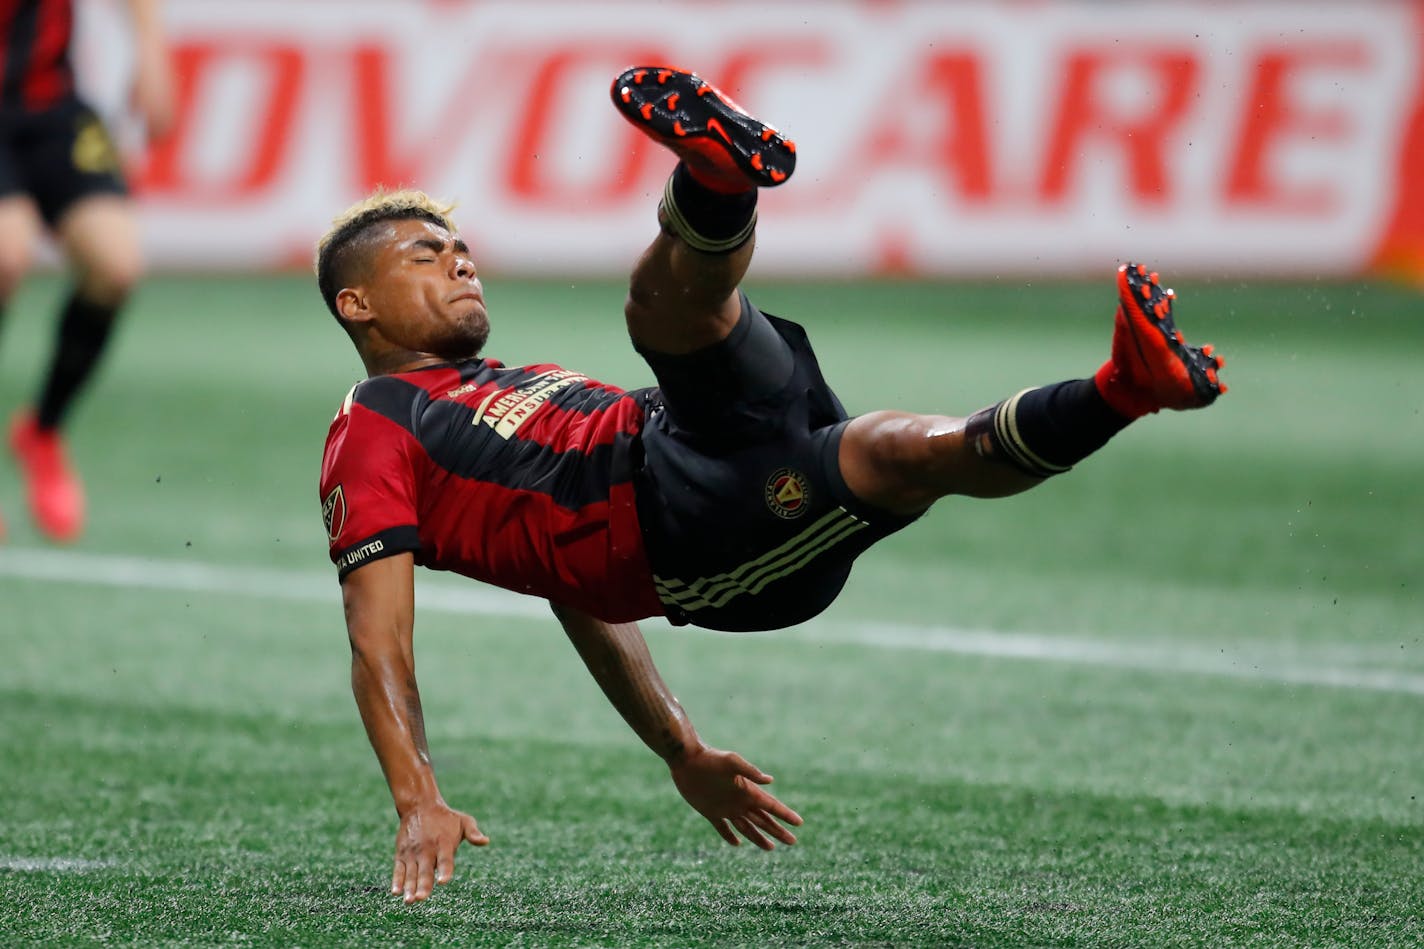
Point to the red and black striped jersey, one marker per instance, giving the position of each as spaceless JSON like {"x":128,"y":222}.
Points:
{"x":35,"y":69}
{"x":520,"y":477}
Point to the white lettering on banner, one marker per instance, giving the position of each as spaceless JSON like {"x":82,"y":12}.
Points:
{"x":937,"y":138}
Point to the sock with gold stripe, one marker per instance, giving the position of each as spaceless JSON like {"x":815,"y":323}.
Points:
{"x":710,"y":221}
{"x":1045,"y":431}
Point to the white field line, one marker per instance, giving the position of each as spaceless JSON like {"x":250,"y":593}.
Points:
{"x":72,"y":568}
{"x":52,"y":864}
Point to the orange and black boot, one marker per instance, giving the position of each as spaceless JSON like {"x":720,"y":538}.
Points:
{"x":1152,"y":367}
{"x":724,"y":148}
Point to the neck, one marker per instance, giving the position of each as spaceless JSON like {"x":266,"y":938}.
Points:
{"x":389,"y":363}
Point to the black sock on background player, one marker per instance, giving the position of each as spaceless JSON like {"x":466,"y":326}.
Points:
{"x":84,"y":330}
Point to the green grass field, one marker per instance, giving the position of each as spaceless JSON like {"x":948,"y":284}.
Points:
{"x":1175,"y":698}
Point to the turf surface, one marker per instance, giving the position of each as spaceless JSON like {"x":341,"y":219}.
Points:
{"x":1175,"y":698}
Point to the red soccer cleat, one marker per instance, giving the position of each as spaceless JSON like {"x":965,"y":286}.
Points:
{"x":1152,"y":367}
{"x":725,"y":148}
{"x":56,"y":495}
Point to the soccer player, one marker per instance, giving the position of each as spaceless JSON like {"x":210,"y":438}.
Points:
{"x":735,"y":495}
{"x":59,"y":169}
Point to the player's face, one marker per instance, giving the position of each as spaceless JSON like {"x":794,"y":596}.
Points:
{"x":426,"y":294}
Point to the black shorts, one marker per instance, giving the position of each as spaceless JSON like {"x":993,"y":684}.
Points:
{"x":57,"y":156}
{"x":747,"y":520}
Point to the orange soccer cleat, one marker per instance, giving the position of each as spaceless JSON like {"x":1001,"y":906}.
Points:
{"x":1152,"y":367}
{"x":56,"y":495}
{"x":724,"y":148}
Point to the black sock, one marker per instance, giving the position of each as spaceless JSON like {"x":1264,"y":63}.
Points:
{"x":1046,"y":431}
{"x":83,"y":330}
{"x":709,"y":221}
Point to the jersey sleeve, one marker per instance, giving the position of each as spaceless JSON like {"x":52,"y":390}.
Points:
{"x":367,"y":491}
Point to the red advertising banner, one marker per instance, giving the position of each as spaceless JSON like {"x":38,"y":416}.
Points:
{"x":934,"y":138}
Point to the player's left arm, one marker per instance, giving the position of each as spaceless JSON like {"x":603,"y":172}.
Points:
{"x":720,"y":785}
{"x":154,"y":93}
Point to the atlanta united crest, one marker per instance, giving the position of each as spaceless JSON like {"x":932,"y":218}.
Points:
{"x":333,"y":512}
{"x":787,"y":493}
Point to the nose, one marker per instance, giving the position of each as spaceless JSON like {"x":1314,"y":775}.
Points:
{"x":464,"y":268}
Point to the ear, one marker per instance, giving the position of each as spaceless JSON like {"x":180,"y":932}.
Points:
{"x":353,"y":306}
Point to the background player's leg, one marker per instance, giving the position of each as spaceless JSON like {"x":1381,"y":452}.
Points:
{"x":100,"y":237}
{"x":19,"y":230}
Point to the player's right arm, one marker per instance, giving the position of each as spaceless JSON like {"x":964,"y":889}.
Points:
{"x":379,"y":600}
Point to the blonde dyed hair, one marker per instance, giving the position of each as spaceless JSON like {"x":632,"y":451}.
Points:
{"x":340,"y":250}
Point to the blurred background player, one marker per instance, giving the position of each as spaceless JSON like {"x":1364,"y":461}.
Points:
{"x":60,"y":169}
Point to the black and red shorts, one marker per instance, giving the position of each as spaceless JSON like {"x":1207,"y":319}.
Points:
{"x":57,"y":155}
{"x":747,"y":520}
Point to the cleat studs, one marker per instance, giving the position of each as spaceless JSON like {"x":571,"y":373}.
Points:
{"x":1181,"y":338}
{"x":1152,"y":277}
{"x":1170,"y":292}
{"x":756,"y":161}
{"x":1146,"y":291}
{"x":627,"y":94}
{"x":1211,"y":376}
{"x":1208,"y":349}
{"x":790,"y":146}
{"x":703,"y":89}
{"x":1222,"y":387}
{"x":638,"y":76}
{"x":647,"y":110}
{"x":678,"y":130}
{"x":663,"y":75}
{"x":777,"y":176}
{"x":671,"y":102}
{"x":766,"y":134}
{"x":1141,"y":270}
{"x":1220,"y":362}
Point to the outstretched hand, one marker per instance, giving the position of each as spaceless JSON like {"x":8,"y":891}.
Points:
{"x":425,"y":848}
{"x":722,"y":786}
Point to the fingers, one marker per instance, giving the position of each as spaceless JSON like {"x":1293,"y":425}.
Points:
{"x":415,"y":875}
{"x":418,"y":886}
{"x":750,"y":832}
{"x":445,"y":864}
{"x":445,"y":860}
{"x":473,"y":833}
{"x":777,"y":809}
{"x":765,"y":821}
{"x":727,"y":833}
{"x":425,"y":850}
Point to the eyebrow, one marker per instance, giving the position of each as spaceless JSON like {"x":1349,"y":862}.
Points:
{"x":431,"y":244}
